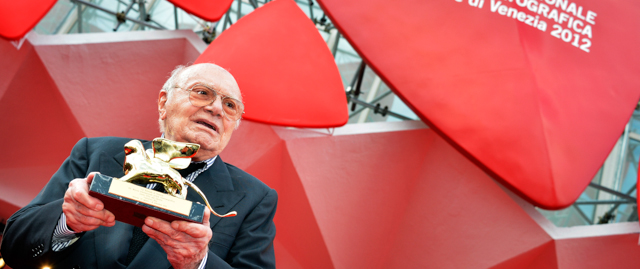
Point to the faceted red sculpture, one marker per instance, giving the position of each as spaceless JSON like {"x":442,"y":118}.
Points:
{"x":19,"y":17}
{"x":535,"y":92}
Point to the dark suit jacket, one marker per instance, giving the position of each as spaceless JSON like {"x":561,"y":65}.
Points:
{"x":245,"y":240}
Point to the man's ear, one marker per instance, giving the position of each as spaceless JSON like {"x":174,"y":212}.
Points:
{"x":162,"y":102}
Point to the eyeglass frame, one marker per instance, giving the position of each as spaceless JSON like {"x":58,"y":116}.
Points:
{"x":222,"y":97}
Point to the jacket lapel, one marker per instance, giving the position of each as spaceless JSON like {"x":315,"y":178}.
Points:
{"x":215,"y":183}
{"x":109,"y":241}
{"x":217,"y":186}
{"x":110,"y":245}
{"x":151,"y":255}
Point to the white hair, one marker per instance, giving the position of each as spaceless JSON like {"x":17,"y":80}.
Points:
{"x":173,"y":79}
{"x":168,"y":88}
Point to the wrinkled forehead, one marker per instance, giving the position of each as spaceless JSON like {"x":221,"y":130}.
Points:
{"x":212,"y":76}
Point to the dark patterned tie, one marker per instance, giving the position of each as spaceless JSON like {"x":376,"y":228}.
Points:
{"x":139,"y":238}
{"x":137,"y":241}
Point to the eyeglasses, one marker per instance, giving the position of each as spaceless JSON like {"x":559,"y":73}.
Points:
{"x":201,"y":95}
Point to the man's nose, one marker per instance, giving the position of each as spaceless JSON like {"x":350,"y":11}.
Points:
{"x":215,"y":107}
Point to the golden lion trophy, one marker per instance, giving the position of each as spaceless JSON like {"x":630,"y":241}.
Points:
{"x":131,"y":203}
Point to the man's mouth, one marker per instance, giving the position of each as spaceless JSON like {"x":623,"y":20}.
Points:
{"x":208,"y":125}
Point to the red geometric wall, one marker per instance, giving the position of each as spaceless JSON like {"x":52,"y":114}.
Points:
{"x":55,"y":90}
{"x":396,"y":195}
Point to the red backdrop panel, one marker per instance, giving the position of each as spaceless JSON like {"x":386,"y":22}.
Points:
{"x":543,"y":256}
{"x":599,"y":252}
{"x":536,"y":93}
{"x":37,"y":143}
{"x":284,"y":68}
{"x":57,"y":90}
{"x":19,"y":17}
{"x":348,"y":201}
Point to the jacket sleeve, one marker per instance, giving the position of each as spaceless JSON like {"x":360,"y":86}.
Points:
{"x":253,"y":245}
{"x":27,"y":238}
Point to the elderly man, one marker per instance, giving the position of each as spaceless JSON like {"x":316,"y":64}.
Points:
{"x":65,"y":227}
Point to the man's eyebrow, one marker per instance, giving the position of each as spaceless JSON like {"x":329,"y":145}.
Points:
{"x":216,"y":88}
{"x":191,"y":84}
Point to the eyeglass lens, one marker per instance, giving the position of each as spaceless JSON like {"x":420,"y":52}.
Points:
{"x":202,"y":96}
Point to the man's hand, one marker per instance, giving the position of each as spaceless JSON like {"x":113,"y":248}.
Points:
{"x":185,"y":243}
{"x":83,"y":212}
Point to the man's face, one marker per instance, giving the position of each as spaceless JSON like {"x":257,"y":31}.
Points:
{"x":206,"y":125}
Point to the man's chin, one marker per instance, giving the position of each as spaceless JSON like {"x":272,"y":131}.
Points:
{"x":207,"y":144}
{"x":204,"y":139}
